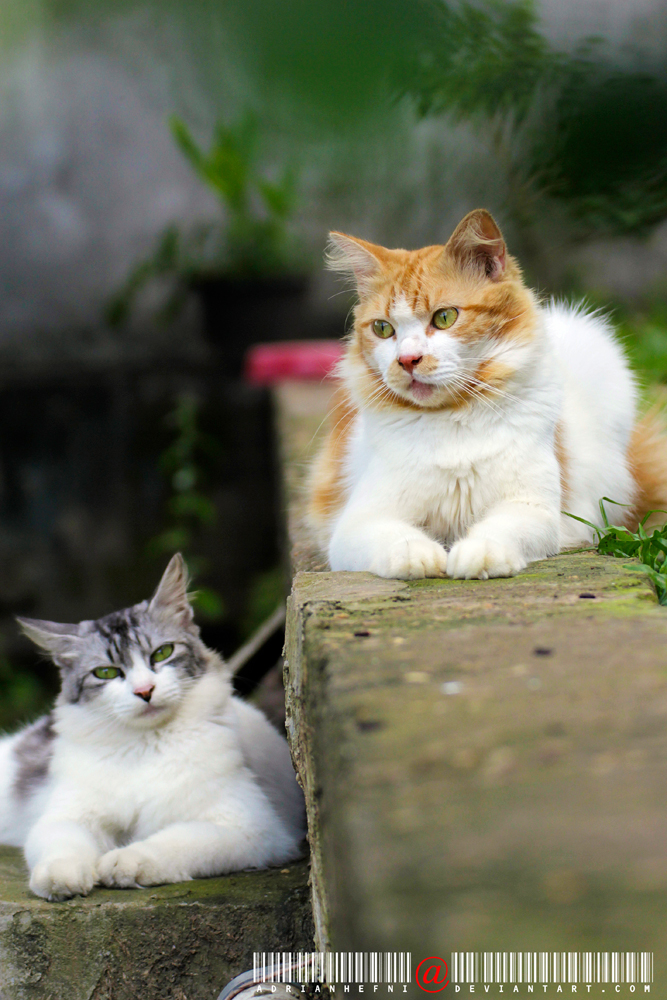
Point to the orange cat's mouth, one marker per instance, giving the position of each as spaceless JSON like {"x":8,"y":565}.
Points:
{"x":420,"y":389}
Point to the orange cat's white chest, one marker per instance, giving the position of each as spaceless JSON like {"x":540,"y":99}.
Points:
{"x":459,"y":504}
{"x":437,"y":473}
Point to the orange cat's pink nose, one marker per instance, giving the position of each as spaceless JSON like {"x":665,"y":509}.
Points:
{"x":409,"y":361}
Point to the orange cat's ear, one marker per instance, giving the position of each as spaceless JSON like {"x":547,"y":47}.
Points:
{"x":478,"y":244}
{"x":349,"y":255}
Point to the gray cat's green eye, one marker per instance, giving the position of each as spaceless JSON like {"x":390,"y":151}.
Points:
{"x":383,"y":329}
{"x":162,"y":652}
{"x":106,"y":673}
{"x":444,"y":318}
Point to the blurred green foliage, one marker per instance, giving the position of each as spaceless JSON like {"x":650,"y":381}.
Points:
{"x":587,"y":127}
{"x":252,"y":238}
{"x":190,"y":512}
{"x":266,"y":592}
{"x":335,"y":61}
{"x":168,"y":260}
{"x":257,"y":209}
{"x":643,"y":331}
{"x":339,"y":61}
{"x":580,"y":127}
{"x":494,"y":62}
{"x":22,"y":697}
{"x":605,"y":153}
{"x":584,"y":125}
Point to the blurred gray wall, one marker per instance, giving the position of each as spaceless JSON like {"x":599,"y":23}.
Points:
{"x":89,"y":175}
{"x":622,"y":22}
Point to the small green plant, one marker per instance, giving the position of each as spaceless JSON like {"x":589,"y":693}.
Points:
{"x":189,"y":509}
{"x":257,"y":209}
{"x":251,"y":240}
{"x":624,"y":544}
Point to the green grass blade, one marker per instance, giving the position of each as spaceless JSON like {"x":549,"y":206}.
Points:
{"x":620,"y":542}
{"x":583,"y":521}
{"x":650,"y":513}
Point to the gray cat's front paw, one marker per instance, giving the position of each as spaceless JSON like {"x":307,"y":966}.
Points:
{"x":133,"y":867}
{"x":62,"y":878}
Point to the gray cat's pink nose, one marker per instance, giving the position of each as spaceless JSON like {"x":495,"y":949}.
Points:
{"x":145,"y":692}
{"x":409,"y":361}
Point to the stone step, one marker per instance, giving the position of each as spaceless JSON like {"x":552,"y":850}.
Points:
{"x":172,"y":942}
{"x":485,"y":762}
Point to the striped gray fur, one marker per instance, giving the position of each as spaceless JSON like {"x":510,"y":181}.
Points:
{"x":33,"y":751}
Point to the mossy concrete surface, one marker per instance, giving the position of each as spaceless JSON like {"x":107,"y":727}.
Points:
{"x":485,"y":762}
{"x":173,"y":942}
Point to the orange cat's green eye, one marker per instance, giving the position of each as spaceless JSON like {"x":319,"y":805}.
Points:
{"x":106,"y":673}
{"x":444,"y":318}
{"x":383,"y":329}
{"x":162,"y":652}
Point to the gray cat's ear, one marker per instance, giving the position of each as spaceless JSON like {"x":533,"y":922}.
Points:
{"x":477,"y":244}
{"x":60,"y":641}
{"x":170,"y":600}
{"x":349,"y":255}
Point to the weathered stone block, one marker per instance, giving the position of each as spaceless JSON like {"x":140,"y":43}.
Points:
{"x":484,"y":762}
{"x":173,"y":942}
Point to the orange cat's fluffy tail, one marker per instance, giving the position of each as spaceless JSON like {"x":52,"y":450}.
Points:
{"x":647,"y":456}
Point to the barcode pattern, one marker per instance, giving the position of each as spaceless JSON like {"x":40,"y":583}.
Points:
{"x":551,"y":967}
{"x":332,"y":967}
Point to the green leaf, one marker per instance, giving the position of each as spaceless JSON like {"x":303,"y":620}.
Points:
{"x":193,"y":505}
{"x":170,"y":541}
{"x":208,"y":603}
{"x":583,"y":520}
{"x":187,"y":144}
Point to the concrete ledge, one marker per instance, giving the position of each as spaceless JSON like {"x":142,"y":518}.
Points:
{"x":484,"y":763}
{"x":174,"y":942}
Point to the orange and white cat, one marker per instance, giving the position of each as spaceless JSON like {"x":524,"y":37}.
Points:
{"x":469,"y":417}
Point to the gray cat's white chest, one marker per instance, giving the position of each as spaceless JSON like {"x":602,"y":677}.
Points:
{"x":136,"y":790}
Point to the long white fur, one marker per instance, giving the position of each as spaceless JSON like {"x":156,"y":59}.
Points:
{"x":210,"y":791}
{"x":483,"y":481}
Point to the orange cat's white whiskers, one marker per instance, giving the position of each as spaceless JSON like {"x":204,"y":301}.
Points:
{"x":469,"y":388}
{"x":497,"y":390}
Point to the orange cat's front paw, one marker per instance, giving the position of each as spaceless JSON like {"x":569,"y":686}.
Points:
{"x":481,"y":558}
{"x":411,"y":559}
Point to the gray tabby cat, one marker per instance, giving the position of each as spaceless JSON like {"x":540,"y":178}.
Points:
{"x":148,"y":769}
